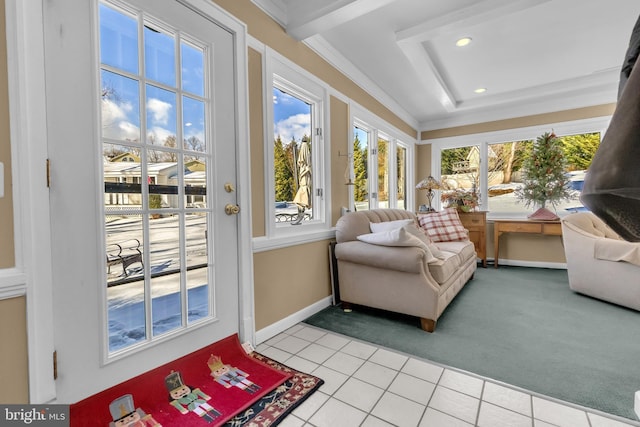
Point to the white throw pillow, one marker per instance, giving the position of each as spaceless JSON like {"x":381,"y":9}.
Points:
{"x":377,"y":227}
{"x":396,"y":237}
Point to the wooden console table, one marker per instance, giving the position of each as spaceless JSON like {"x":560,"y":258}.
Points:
{"x":500,"y":226}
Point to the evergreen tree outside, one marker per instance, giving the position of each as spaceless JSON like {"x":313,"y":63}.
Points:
{"x":283,"y":172}
{"x":544,"y":178}
{"x":360,"y":192}
{"x":580,"y":149}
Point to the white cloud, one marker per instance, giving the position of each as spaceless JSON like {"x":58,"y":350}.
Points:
{"x":293,"y":127}
{"x":159,"y":110}
{"x":115,"y":123}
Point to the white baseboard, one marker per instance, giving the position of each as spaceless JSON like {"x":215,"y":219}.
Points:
{"x":282,"y":325}
{"x":536,"y":264}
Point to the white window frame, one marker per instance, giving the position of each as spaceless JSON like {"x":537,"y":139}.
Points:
{"x":377,"y":127}
{"x":282,"y":73}
{"x":483,"y":140}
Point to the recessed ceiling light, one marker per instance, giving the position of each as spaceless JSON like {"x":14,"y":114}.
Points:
{"x":463,"y":41}
{"x":481,"y":90}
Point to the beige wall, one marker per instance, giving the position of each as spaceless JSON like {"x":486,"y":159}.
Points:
{"x":289,"y":280}
{"x":13,"y":351}
{"x":7,"y":256}
{"x":256,"y":131}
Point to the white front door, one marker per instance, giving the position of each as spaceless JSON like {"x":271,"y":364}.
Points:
{"x":142,"y":131}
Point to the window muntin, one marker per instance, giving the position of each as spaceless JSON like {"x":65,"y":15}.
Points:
{"x":158,"y":277}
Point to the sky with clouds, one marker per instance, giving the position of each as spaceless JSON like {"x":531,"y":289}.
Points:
{"x":121,"y":109}
{"x":291,"y":116}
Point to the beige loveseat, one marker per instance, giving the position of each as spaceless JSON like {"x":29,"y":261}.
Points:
{"x":399,"y":278}
{"x":599,"y":262}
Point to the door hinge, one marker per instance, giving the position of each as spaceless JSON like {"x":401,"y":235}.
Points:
{"x":318,"y":131}
{"x":55,"y":364}
{"x":319,"y":192}
{"x":48,"y":170}
{"x":374,"y":151}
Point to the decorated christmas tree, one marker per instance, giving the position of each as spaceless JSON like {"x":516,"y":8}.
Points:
{"x":544,"y":179}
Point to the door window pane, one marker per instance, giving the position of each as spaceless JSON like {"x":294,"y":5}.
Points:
{"x":192,"y":69}
{"x":125,"y":280}
{"x":120,"y":107}
{"x":161,"y":116}
{"x":159,"y":56}
{"x":193,"y":120}
{"x":361,"y":169}
{"x":165,"y":266}
{"x":197,"y":266}
{"x":118,"y":39}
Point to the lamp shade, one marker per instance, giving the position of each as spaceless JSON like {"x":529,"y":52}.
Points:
{"x":429,"y":183}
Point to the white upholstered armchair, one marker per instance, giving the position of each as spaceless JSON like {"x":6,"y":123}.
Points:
{"x":599,"y":262}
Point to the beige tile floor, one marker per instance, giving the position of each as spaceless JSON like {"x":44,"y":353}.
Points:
{"x":369,"y":386}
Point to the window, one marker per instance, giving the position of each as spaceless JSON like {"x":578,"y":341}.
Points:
{"x":401,"y":177}
{"x":155,"y":157}
{"x":361,"y":168}
{"x":387,"y":162}
{"x":493,"y":169}
{"x":296,"y":148}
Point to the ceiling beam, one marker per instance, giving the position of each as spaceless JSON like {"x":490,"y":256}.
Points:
{"x":478,"y":13}
{"x":305,"y":19}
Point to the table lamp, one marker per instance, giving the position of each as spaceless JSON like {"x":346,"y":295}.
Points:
{"x":429,"y":184}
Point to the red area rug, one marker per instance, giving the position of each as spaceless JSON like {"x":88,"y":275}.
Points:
{"x":205,"y":388}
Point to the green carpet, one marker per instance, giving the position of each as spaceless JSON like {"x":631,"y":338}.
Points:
{"x":522,"y":326}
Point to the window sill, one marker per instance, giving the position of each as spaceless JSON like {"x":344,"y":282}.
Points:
{"x":13,"y":283}
{"x":262,"y":244}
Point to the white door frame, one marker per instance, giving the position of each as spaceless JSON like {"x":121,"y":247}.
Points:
{"x":26,"y":79}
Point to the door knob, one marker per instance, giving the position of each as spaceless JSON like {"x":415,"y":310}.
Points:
{"x":230,"y":209}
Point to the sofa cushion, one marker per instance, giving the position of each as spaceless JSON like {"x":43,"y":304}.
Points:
{"x":442,"y":269}
{"x":444,"y":226}
{"x":463,"y":248}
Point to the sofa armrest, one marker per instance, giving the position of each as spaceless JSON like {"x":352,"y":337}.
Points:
{"x":410,"y":259}
{"x":617,"y":250}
